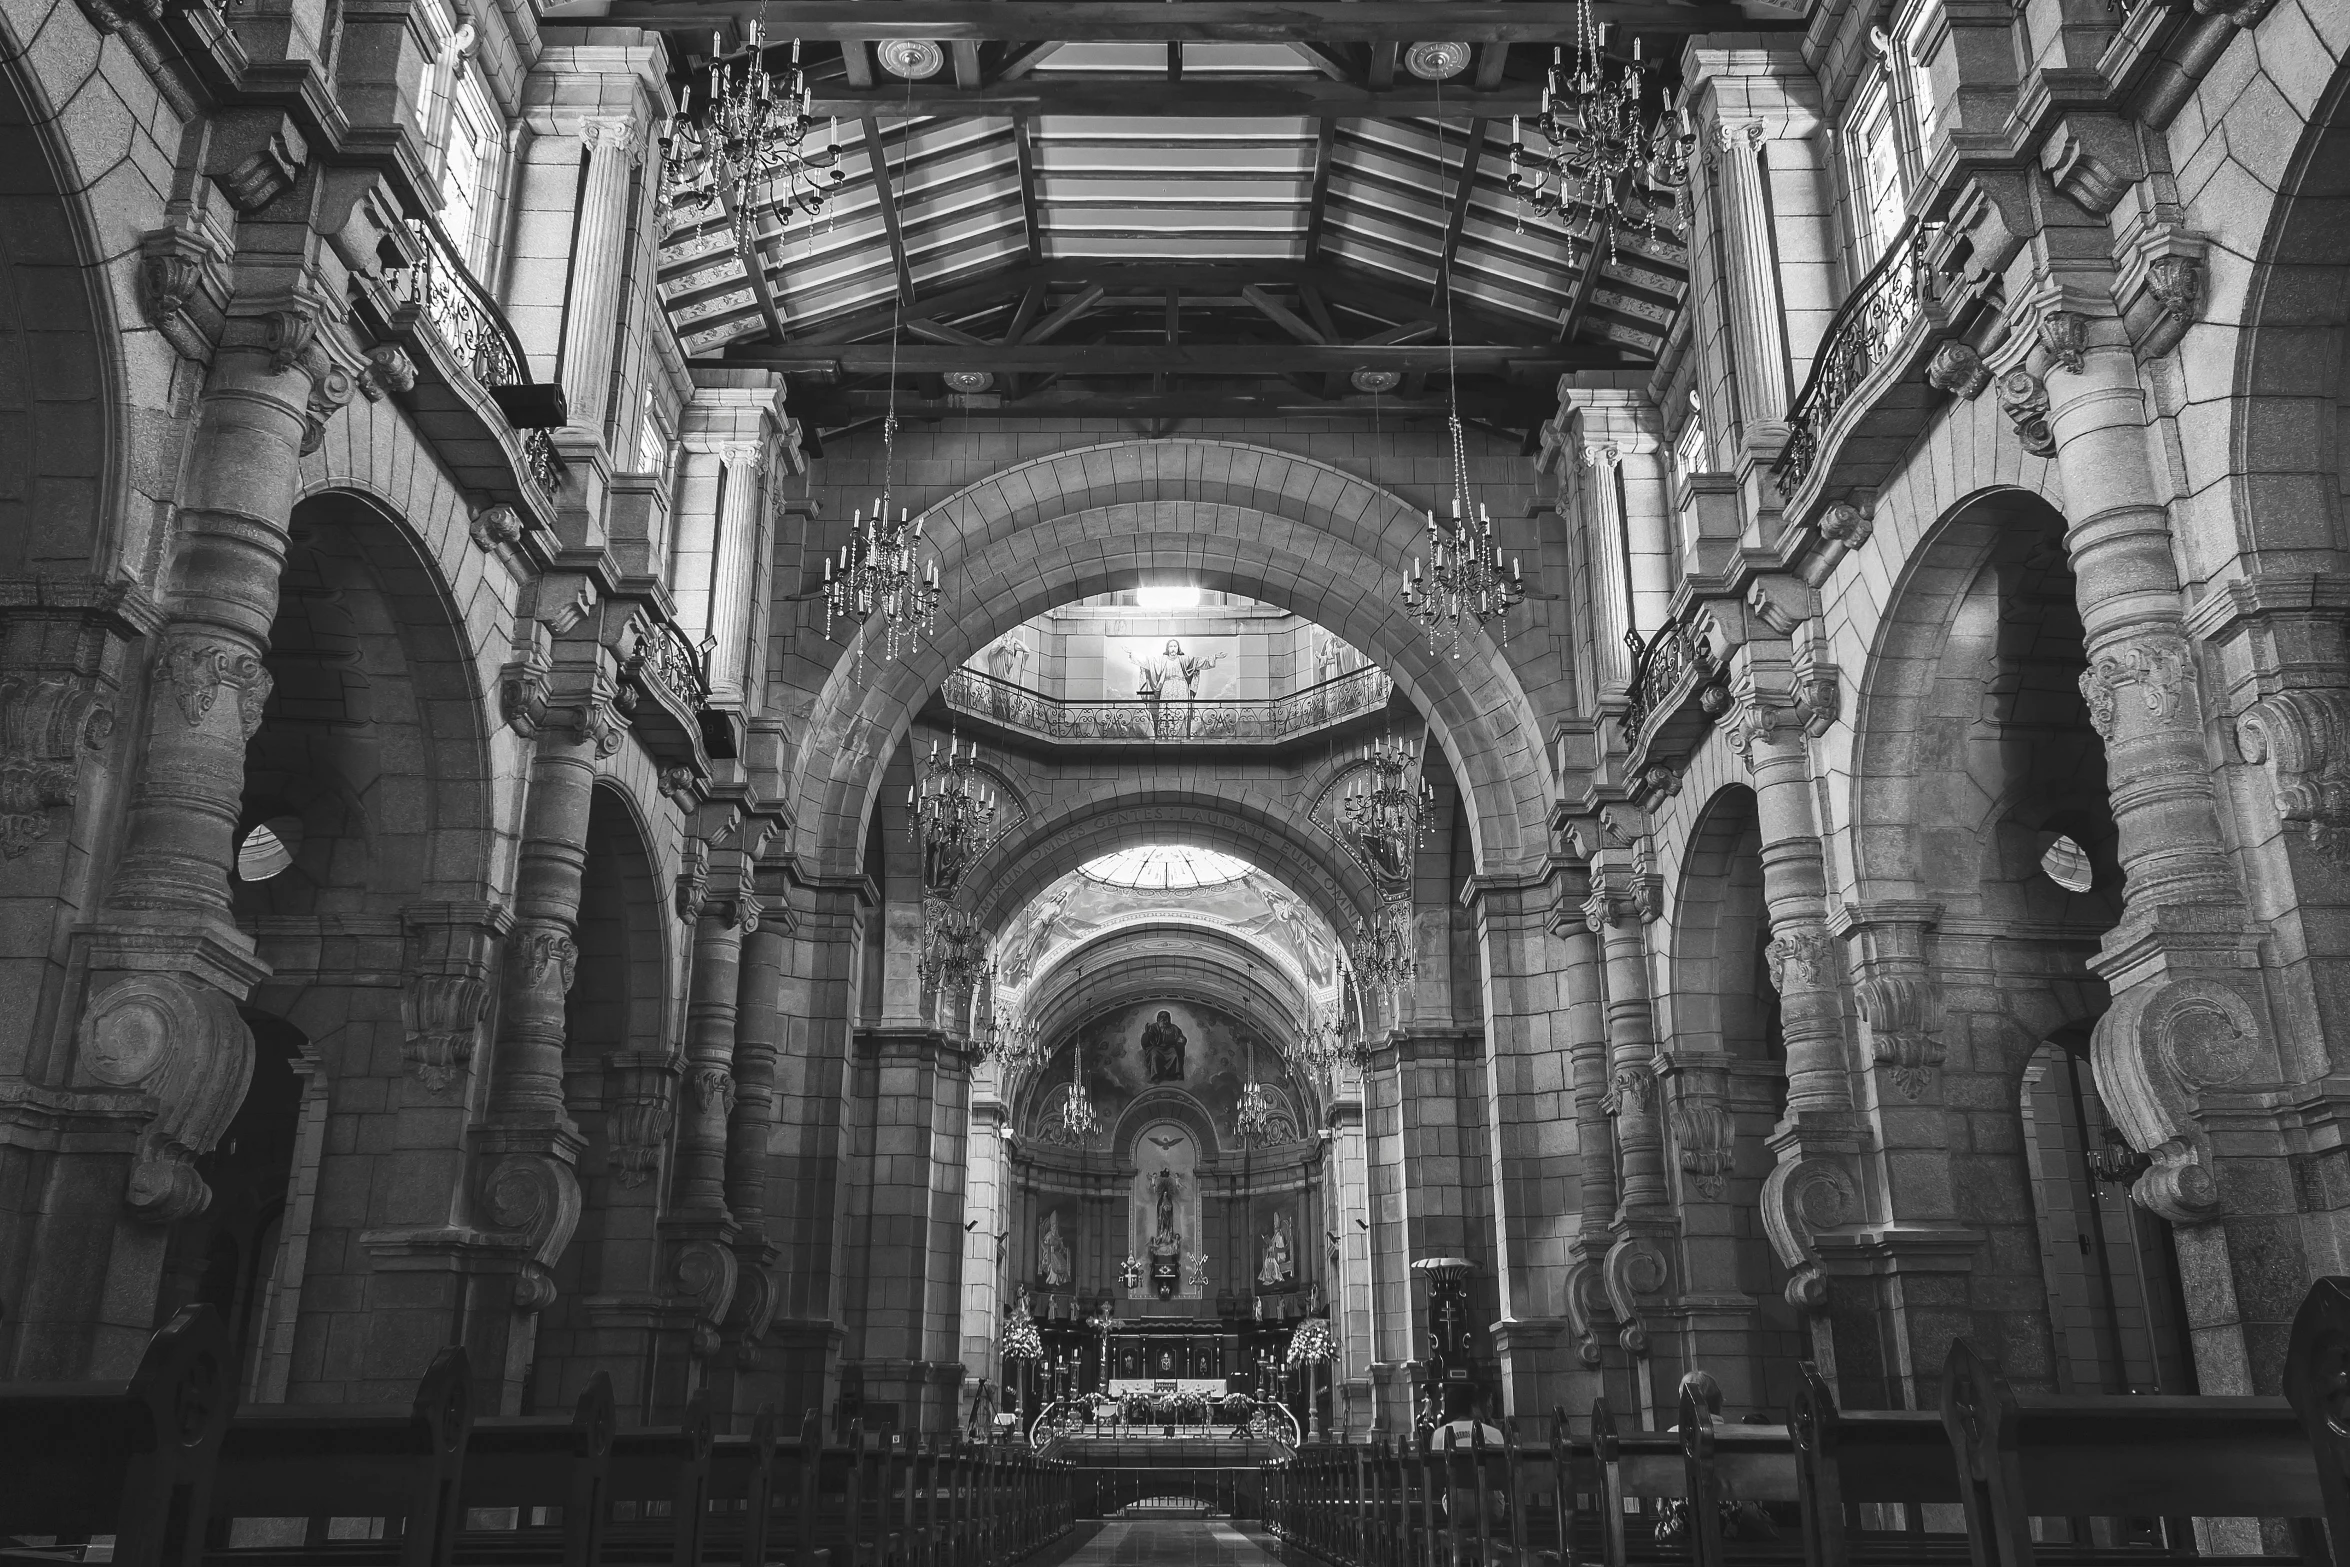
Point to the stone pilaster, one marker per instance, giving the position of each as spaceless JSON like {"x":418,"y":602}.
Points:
{"x":723,"y":524}
{"x":1584,"y":1290}
{"x":613,"y":146}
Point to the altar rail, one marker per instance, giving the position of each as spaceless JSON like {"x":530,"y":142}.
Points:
{"x":162,"y":1465}
{"x":2074,"y":1480}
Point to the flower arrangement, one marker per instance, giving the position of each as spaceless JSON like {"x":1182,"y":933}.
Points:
{"x":1021,"y":1341}
{"x":1312,"y":1343}
{"x":1189,"y":1408}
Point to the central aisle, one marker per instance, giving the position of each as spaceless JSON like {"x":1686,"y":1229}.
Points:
{"x":1171,"y":1542}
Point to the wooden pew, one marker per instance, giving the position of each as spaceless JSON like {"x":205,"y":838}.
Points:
{"x":1727,"y":1466}
{"x":2027,"y":1455}
{"x":668,"y":1465}
{"x":802,"y":1489}
{"x":528,"y":1462}
{"x":1858,"y":1457}
{"x":133,"y":1459}
{"x":743,"y":1488}
{"x":2317,"y":1384}
{"x":400,"y":1464}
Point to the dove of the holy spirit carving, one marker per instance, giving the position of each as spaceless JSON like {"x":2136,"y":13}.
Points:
{"x":1167,"y":1144}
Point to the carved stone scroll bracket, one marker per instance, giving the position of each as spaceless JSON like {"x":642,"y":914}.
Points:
{"x":702,"y":1275}
{"x":1801,"y":1197}
{"x":1959,"y":370}
{"x":2303,"y":740}
{"x":1635,"y":1267}
{"x":1587,"y":1308}
{"x":529,"y":1191}
{"x":255,"y":156}
{"x":48,"y":721}
{"x":1900,"y":1011}
{"x":2159,"y":1048}
{"x":2023,"y":397}
{"x":182,"y":1045}
{"x":2160,"y":286}
{"x":523,"y":687}
{"x":495,"y":526}
{"x":1705,"y":1139}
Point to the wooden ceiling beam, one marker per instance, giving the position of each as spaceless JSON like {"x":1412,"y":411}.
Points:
{"x":1318,"y":193}
{"x":1027,"y":57}
{"x":1031,"y":215}
{"x":1464,"y":188}
{"x":856,"y":62}
{"x":1281,"y":315}
{"x":1497,"y":406}
{"x":1382,"y":73}
{"x":1493,"y":63}
{"x":1086,"y":299}
{"x":746,"y":251}
{"x":1200,"y":97}
{"x":1324,"y":59}
{"x":1586,"y":283}
{"x":1152,"y":21}
{"x":877,"y":155}
{"x":966,"y":55}
{"x":1194,"y":358}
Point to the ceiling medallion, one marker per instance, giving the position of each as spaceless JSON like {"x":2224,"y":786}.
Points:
{"x":969,"y":380}
{"x":745,"y":133}
{"x":912,"y":59}
{"x":1376,"y":382}
{"x":1436,"y":62}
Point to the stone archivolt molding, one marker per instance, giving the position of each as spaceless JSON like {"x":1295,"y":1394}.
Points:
{"x":2302,"y":739}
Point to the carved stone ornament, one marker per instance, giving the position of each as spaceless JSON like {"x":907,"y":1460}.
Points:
{"x":1586,"y":1292}
{"x":693,"y":879}
{"x":1798,"y":959}
{"x":389,"y":369}
{"x":638,"y":1114}
{"x":1900,"y":1010}
{"x":2243,"y":13}
{"x":1706,"y":1139}
{"x":677,"y":784}
{"x":522,"y":691}
{"x":442,"y":1015}
{"x":702,"y":1274}
{"x":2156,"y":665}
{"x":182,"y":1047}
{"x":2158,"y":1049}
{"x":2303,"y":739}
{"x":1661,"y":781}
{"x":330,"y":391}
{"x":2024,"y":399}
{"x":545,"y":950}
{"x":46,"y":722}
{"x":493,"y":526}
{"x":272,"y":161}
{"x":533,"y":1198}
{"x":713,"y":1090}
{"x":1846,"y":524}
{"x":600,"y":720}
{"x":183,"y":284}
{"x":2176,"y":282}
{"x":1958,"y":369}
{"x":196,"y":671}
{"x":1800,"y":1198}
{"x":2065,"y":334}
{"x":1632,"y":1088}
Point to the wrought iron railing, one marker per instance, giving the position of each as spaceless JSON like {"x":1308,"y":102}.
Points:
{"x":1171,"y":720}
{"x":476,"y":331}
{"x":1673,"y":653}
{"x":1871,"y":324}
{"x":663,"y":656}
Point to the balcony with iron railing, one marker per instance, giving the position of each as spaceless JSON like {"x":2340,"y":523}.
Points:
{"x":472,"y":399}
{"x":1675,"y":694}
{"x":1172,"y":721}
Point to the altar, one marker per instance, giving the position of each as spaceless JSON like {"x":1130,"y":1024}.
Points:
{"x":1209,"y":1387}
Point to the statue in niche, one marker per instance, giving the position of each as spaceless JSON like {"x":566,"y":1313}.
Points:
{"x":1163,"y":1045}
{"x":1164,"y":1190}
{"x":1277,"y":1267}
{"x":1053,"y":1253}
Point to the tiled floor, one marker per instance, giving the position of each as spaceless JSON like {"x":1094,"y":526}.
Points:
{"x":1171,"y":1542}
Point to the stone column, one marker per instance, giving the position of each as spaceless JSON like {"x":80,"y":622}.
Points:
{"x":160,"y":1059}
{"x":613,"y":147}
{"x":1584,"y":1018}
{"x":2188,"y":1031}
{"x":1349,"y":1215}
{"x":759,"y":1028}
{"x":722,"y":527}
{"x":1781,"y":703}
{"x":1759,"y":336}
{"x":1625,"y":895}
{"x":984,"y":1200}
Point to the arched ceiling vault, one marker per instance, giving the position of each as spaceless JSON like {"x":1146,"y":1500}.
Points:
{"x":1168,"y":954}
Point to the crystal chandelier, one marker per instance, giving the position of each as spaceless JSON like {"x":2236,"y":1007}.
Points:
{"x":1258,"y":1118}
{"x":1382,"y":819}
{"x":882,"y":569}
{"x":1602,"y":167}
{"x":750,"y":130}
{"x":1013,"y":1046}
{"x":1075,"y":1118}
{"x":951,"y":960}
{"x":949,"y":813}
{"x":1330,"y":1043}
{"x":1462,"y":576}
{"x":1381,"y":951}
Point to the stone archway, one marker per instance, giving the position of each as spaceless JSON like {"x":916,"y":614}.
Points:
{"x":1307,"y":537}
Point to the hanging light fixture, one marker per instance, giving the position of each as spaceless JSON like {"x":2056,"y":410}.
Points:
{"x":748,"y":132}
{"x":1602,"y":169}
{"x":1075,"y":1120}
{"x":884,"y":569}
{"x":1381,"y":951}
{"x":1259,"y":1117}
{"x":1383,"y":817}
{"x":949,"y":813}
{"x":951,"y":960}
